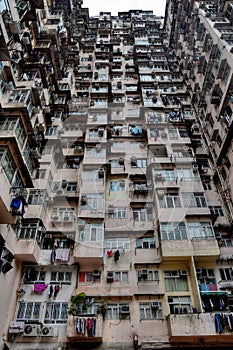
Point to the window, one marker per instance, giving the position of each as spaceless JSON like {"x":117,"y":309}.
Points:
{"x":179,"y":304}
{"x":207,"y":186}
{"x":71,"y":187}
{"x":14,"y":124}
{"x":148,"y":311}
{"x":91,"y":176}
{"x":36,"y":197}
{"x":116,"y":164}
{"x":186,"y":174}
{"x":28,"y":311}
{"x":121,"y":244}
{"x":117,"y":213}
{"x":63,"y":214}
{"x":145,"y":275}
{"x":226,"y":241}
{"x":142,"y":214}
{"x":173,"y":133}
{"x":91,"y":232}
{"x":200,"y":230}
{"x":173,"y":230}
{"x":117,"y":185}
{"x":183,"y":133}
{"x":226,"y":274}
{"x":61,"y":277}
{"x":120,"y":276}
{"x":29,"y":231}
{"x":93,"y":201}
{"x":139,"y":163}
{"x":56,"y":313}
{"x":175,"y":282}
{"x":145,"y":243}
{"x":166,"y":174}
{"x":41,"y":173}
{"x":194,"y":200}
{"x":7,"y":163}
{"x":88,"y":277}
{"x":216,"y":211}
{"x":52,"y":130}
{"x":114,"y":311}
{"x":31,"y":275}
{"x":118,"y":144}
{"x":170,"y":200}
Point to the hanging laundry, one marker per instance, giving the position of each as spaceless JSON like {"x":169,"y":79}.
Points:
{"x":39,"y":288}
{"x":50,"y":293}
{"x":56,"y":290}
{"x":63,"y":254}
{"x":116,"y":255}
{"x":53,"y":256}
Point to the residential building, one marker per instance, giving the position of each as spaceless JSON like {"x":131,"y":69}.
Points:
{"x":116,"y":209}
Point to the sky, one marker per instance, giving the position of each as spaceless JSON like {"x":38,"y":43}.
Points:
{"x":115,"y":6}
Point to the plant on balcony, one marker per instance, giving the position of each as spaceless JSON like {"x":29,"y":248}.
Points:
{"x":77,"y":304}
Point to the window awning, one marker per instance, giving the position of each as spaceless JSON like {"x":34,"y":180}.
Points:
{"x":216,"y":292}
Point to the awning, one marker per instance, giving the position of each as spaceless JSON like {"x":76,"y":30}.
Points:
{"x":216,"y":292}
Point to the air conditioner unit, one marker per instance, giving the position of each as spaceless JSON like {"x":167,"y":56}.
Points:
{"x":64,"y":183}
{"x":195,"y":167}
{"x":59,"y":192}
{"x":101,"y":173}
{"x":110,"y":277}
{"x":96,"y":273}
{"x":161,"y":193}
{"x":198,"y":270}
{"x":121,"y":161}
{"x":110,"y":209}
{"x":218,"y":235}
{"x":47,"y":331}
{"x":144,"y":272}
{"x":154,"y":304}
{"x":124,"y":309}
{"x":163,"y":134}
{"x":142,"y":145}
{"x":183,"y":273}
{"x":83,"y":199}
{"x":49,"y":200}
{"x":67,"y":218}
{"x":31,"y":330}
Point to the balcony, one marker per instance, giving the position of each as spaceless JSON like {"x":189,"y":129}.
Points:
{"x":196,"y":328}
{"x":95,"y":334}
{"x":27,"y":250}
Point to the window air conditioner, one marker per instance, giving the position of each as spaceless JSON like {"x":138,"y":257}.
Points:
{"x":59,"y":192}
{"x":154,"y":304}
{"x":32,"y":330}
{"x":218,"y":235}
{"x":83,"y":199}
{"x":47,"y":331}
{"x":183,"y":273}
{"x":96,"y":273}
{"x":110,"y":277}
{"x":98,"y":147}
{"x":144,"y":272}
{"x":124,"y":309}
{"x":111,"y":209}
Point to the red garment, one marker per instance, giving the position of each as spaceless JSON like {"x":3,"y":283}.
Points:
{"x":89,"y":324}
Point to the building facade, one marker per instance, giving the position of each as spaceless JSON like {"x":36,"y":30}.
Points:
{"x":116,"y":191}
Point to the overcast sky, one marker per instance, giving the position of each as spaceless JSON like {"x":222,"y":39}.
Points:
{"x":115,"y":6}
